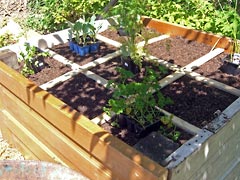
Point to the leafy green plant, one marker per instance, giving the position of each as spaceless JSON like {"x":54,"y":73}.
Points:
{"x":94,"y":31}
{"x":169,"y":129}
{"x":47,"y":16}
{"x":7,"y":39}
{"x":84,"y":30}
{"x":128,"y":18}
{"x":30,"y":59}
{"x":130,"y":49}
{"x":212,"y":16}
{"x":138,"y":100}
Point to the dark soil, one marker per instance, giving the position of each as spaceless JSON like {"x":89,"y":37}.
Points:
{"x":64,"y":50}
{"x":196,"y":102}
{"x":178,"y":50}
{"x":52,"y":70}
{"x":130,"y":137}
{"x":108,"y":69}
{"x":147,"y":33}
{"x":213,"y":69}
{"x":83,"y":94}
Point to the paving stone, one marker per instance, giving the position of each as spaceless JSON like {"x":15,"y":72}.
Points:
{"x":157,"y":147}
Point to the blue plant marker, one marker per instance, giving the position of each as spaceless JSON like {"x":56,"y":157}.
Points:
{"x":71,"y":45}
{"x":94,"y":47}
{"x":75,"y":47}
{"x":82,"y":51}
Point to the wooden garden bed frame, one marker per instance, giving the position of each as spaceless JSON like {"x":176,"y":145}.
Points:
{"x":43,"y":127}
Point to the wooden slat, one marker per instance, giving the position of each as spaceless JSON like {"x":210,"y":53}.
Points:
{"x":218,"y":164}
{"x":188,"y":33}
{"x":214,"y":83}
{"x":234,"y":172}
{"x":207,"y":151}
{"x":42,"y":151}
{"x":5,"y":132}
{"x":28,"y":154}
{"x":183,"y":124}
{"x":17,"y":143}
{"x":31,"y":141}
{"x":90,"y":136}
{"x":68,"y":152}
{"x":171,"y":78}
{"x":200,"y":61}
{"x":109,"y":41}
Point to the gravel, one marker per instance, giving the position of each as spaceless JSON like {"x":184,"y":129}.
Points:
{"x":7,"y":152}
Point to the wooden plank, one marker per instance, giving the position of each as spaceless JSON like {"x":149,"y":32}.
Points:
{"x":62,"y":59}
{"x":26,"y":152}
{"x":31,"y":141}
{"x":97,"y":78}
{"x":170,"y":66}
{"x":59,"y":143}
{"x":153,"y":40}
{"x":59,"y":79}
{"x":234,"y":173}
{"x":200,"y":61}
{"x":207,"y":150}
{"x":182,"y":124}
{"x":218,"y":164}
{"x":171,"y":78}
{"x":101,"y":60}
{"x":69,"y":153}
{"x":19,"y":145}
{"x":188,"y":33}
{"x":81,"y":130}
{"x":214,"y":83}
{"x":4,"y":130}
{"x":109,"y":41}
{"x":43,"y":151}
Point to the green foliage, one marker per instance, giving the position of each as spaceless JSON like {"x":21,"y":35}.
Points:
{"x":45,"y":15}
{"x":51,"y":15}
{"x":84,"y":29}
{"x":30,"y":59}
{"x":217,"y":16}
{"x":7,"y":39}
{"x":128,"y":18}
{"x":169,"y":129}
{"x":138,"y":100}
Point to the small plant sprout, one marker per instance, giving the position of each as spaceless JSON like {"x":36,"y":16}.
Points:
{"x":83,"y":30}
{"x":31,"y":58}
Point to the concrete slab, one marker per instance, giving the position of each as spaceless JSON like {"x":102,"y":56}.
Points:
{"x":157,"y":147}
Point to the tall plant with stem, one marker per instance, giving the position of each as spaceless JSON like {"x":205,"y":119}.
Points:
{"x":128,"y":18}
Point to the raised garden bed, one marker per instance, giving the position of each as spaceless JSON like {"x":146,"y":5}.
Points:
{"x":65,"y":134}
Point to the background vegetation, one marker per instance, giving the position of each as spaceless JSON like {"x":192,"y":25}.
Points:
{"x":217,"y":16}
